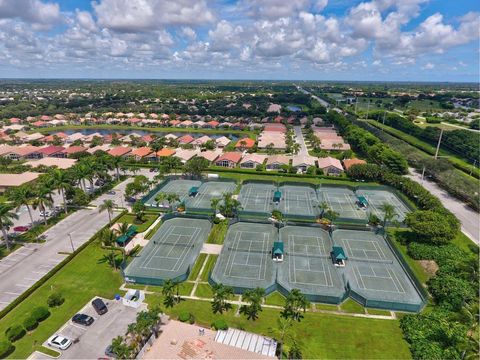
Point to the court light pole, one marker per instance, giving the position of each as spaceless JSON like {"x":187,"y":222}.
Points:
{"x":71,"y":241}
{"x":438,"y":144}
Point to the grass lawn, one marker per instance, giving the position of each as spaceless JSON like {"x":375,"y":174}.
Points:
{"x":153,"y":231}
{"x":197,"y":267}
{"x":326,"y":307}
{"x":204,"y":290}
{"x":131,"y":219}
{"x":465,"y":243}
{"x":351,"y":306}
{"x":319,"y":335}
{"x":217,"y":235}
{"x":378,"y":312}
{"x":208,"y":267}
{"x":86,"y":276}
{"x":275,"y":298}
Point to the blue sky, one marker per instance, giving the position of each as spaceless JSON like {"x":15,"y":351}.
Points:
{"x":392,"y":40}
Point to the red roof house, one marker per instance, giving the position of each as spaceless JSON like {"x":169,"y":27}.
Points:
{"x":229,"y":159}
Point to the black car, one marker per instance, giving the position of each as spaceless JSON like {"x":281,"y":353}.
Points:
{"x":83,"y":319}
{"x":109,"y":352}
{"x":99,"y":306}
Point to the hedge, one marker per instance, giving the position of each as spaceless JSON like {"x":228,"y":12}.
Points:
{"x":30,"y":323}
{"x":185,"y":316}
{"x":15,"y":332}
{"x":6,"y":348}
{"x":55,"y":299}
{"x":40,"y":313}
{"x":52,"y":272}
{"x":220,"y":324}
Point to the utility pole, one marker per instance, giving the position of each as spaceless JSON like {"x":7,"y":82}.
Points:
{"x":71,"y":242}
{"x":423,"y":173}
{"x":438,"y":145}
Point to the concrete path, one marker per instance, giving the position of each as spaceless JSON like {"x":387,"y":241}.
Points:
{"x":469,"y":218}
{"x":214,"y":249}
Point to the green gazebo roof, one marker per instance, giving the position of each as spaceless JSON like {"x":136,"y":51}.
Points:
{"x":122,"y":239}
{"x":338,"y":253}
{"x":278,"y":248}
{"x":362,"y":200}
{"x":277,"y":195}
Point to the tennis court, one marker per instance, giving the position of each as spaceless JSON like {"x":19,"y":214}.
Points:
{"x":298,"y":200}
{"x":170,"y":253}
{"x":257,"y":197}
{"x":208,"y":191}
{"x":374,"y":275}
{"x":343,"y":201}
{"x":307,"y":265}
{"x":376,"y":198}
{"x":245,"y":261}
{"x":179,"y":187}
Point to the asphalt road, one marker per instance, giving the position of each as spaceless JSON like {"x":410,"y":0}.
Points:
{"x":469,"y":218}
{"x":301,"y":140}
{"x":25,"y":266}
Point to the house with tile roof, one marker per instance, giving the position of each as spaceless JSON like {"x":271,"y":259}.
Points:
{"x":251,"y":161}
{"x":222,"y":141}
{"x":348,"y":163}
{"x":275,"y":162}
{"x":330,"y":166}
{"x":119,"y":151}
{"x":165,"y":152}
{"x":185,"y":139}
{"x":245,"y":143}
{"x":229,"y":159}
{"x":140,"y":153}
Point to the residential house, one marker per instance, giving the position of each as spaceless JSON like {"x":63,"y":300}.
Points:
{"x":73,"y":150}
{"x":140,"y":153}
{"x":229,"y":159}
{"x":74,"y":137}
{"x":61,"y":163}
{"x":302,"y":162}
{"x":330,"y":166}
{"x":275,"y":162}
{"x":348,"y":163}
{"x":185,"y":154}
{"x":8,"y":181}
{"x":245,"y":143}
{"x":251,"y":161}
{"x":23,"y":152}
{"x":210,"y":155}
{"x":185,"y":139}
{"x":52,"y":151}
{"x":201,"y":140}
{"x":171,"y":137}
{"x":165,"y":152}
{"x":103,"y":147}
{"x":222,"y":142}
{"x":119,"y":151}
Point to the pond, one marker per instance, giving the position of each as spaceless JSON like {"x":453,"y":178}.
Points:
{"x":144,"y":132}
{"x":294,"y":108}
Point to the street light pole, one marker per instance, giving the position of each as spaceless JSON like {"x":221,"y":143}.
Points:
{"x":438,"y":145}
{"x":71,"y":242}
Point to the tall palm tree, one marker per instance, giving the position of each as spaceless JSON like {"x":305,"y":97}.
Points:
{"x":61,"y":182}
{"x":109,"y":206}
{"x":43,"y":199}
{"x":388,"y":213}
{"x":214,"y":205}
{"x":23,"y":195}
{"x":168,"y":290}
{"x":282,"y":331}
{"x":323,"y":206}
{"x":6,"y":220}
{"x":106,"y":238}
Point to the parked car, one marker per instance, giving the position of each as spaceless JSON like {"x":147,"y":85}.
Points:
{"x":21,"y":228}
{"x":99,"y":306}
{"x":83,"y":319}
{"x":45,"y":213}
{"x":111,"y":192}
{"x":109,"y":352}
{"x":59,"y":342}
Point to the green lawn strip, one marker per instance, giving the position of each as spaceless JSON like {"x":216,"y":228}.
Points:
{"x":418,"y":270}
{"x":84,"y":277}
{"x":131,"y":219}
{"x":47,"y":351}
{"x":208,"y":267}
{"x":319,"y":335}
{"x":378,"y":312}
{"x":204,"y":290}
{"x":460,"y":164}
{"x":217,"y":235}
{"x":153,"y":129}
{"x":153,"y":231}
{"x":465,"y":243}
{"x":136,"y":286}
{"x":197,"y":267}
{"x":185,"y":288}
{"x":328,"y":307}
{"x":351,"y":306}
{"x":275,"y":298}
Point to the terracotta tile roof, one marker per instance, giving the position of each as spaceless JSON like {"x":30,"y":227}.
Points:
{"x":119,"y":151}
{"x":245,"y":143}
{"x":74,"y":150}
{"x":141,"y":152}
{"x":230,"y":156}
{"x":165,"y":152}
{"x":185,"y":139}
{"x":347,"y":163}
{"x":50,"y":150}
{"x":329,"y":161}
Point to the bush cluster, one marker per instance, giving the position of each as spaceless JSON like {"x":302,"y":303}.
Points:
{"x":185,"y":316}
{"x":15,"y":332}
{"x":55,"y":299}
{"x":220,"y":324}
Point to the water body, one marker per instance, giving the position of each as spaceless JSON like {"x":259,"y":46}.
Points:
{"x":145,"y":132}
{"x":294,"y":108}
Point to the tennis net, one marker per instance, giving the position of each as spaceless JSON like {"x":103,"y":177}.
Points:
{"x":379,"y":261}
{"x":172,"y":243}
{"x":240,"y":249}
{"x":319,"y":256}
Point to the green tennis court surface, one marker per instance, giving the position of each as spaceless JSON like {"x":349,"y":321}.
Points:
{"x":376,"y":198}
{"x":257,"y":197}
{"x":208,"y":191}
{"x":246,"y":261}
{"x":307,"y":265}
{"x":374,"y":275}
{"x":179,"y":187}
{"x":170,"y":252}
{"x":298,"y":200}
{"x":343,"y":201}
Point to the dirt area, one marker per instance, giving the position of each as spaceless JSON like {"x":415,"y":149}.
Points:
{"x":429,"y":266}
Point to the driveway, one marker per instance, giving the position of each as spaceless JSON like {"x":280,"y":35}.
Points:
{"x":301,"y":140}
{"x":469,"y":218}
{"x":90,"y":342}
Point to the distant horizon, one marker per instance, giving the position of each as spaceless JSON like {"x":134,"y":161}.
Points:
{"x":240,"y":80}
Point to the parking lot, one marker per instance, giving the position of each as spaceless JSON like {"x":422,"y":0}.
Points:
{"x":90,"y":342}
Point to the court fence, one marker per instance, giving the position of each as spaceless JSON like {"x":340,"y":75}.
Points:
{"x":151,"y":280}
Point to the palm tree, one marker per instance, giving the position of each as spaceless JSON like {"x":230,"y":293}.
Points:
{"x":122,"y":229}
{"x":6,"y":220}
{"x":43,"y":199}
{"x":106,"y":238}
{"x":168,"y":292}
{"x":331,"y":215}
{"x":221,"y":294}
{"x":295,"y":148}
{"x":109,"y":206}
{"x":323,"y":206}
{"x":214,"y":205}
{"x":388,"y":213}
{"x":254,"y":298}
{"x":114,"y":163}
{"x":295,"y":304}
{"x":160,"y":198}
{"x":172,"y":198}
{"x":23,"y":195}
{"x":62,"y":183}
{"x":281,"y":332}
